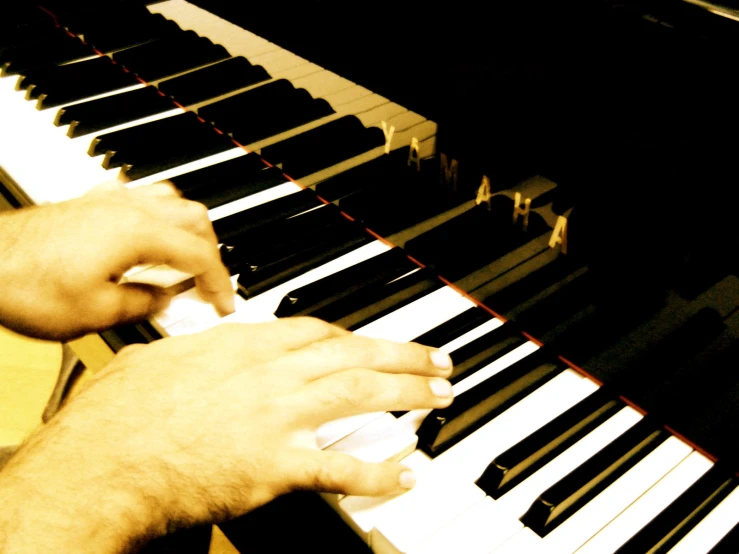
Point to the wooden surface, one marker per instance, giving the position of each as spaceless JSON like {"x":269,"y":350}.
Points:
{"x":28,"y":372}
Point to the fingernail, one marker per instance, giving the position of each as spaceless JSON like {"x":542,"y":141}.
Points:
{"x":441,"y":360}
{"x":226,"y":303}
{"x":407,"y":479}
{"x":441,"y":388}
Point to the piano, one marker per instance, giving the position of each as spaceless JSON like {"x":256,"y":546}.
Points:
{"x":545,"y":192}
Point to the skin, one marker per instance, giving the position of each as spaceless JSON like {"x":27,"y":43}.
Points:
{"x":61,"y":264}
{"x":186,"y":430}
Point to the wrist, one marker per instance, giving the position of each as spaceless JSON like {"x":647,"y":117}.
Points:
{"x":57,"y":498}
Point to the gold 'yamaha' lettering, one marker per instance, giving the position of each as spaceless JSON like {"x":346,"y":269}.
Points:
{"x":484,"y":193}
{"x":414,"y":155}
{"x":388,"y":136}
{"x":559,"y":235}
{"x":448,"y":174}
{"x":520,"y":209}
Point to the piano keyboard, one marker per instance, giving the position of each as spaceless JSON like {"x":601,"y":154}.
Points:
{"x":533,"y":456}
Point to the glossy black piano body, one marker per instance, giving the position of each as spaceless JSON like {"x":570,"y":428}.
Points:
{"x":627,"y":107}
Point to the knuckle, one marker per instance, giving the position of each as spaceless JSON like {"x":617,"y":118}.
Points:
{"x":311,"y":326}
{"x":197,"y":211}
{"x":351,"y":388}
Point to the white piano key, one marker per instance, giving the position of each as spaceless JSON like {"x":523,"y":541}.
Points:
{"x":712,"y":528}
{"x":600,"y":511}
{"x":340,"y":98}
{"x":419,"y":317}
{"x":523,"y":542}
{"x":407,"y":521}
{"x":516,"y":501}
{"x":322,"y":83}
{"x":382,"y":439}
{"x":253,"y":200}
{"x":505,"y":361}
{"x":475,"y":531}
{"x":333,"y":431}
{"x":238,"y":41}
{"x":361,"y":512}
{"x":277,"y":60}
{"x":469,"y":458}
{"x":472,"y":335}
{"x":647,"y":507}
{"x":189,"y":167}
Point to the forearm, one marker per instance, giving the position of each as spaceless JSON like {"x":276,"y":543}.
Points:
{"x":57,"y":499}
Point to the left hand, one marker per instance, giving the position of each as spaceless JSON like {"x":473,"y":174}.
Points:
{"x":60,"y":265}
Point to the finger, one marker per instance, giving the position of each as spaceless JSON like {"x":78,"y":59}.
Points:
{"x":282,"y":335}
{"x":357,"y":391}
{"x":335,"y":472}
{"x":126,"y":303}
{"x":329,"y":356}
{"x":168,"y":206}
{"x":162,"y":244}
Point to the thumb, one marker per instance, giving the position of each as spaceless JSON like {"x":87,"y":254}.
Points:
{"x":336,"y":472}
{"x":129,"y":302}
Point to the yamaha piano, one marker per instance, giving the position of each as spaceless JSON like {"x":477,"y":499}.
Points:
{"x":545,"y":190}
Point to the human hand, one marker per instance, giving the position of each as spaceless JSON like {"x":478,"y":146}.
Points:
{"x":60,"y":265}
{"x":205,"y":427}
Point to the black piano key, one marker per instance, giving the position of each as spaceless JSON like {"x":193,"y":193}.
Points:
{"x":356,"y":179}
{"x":268,"y":97}
{"x":230,"y":191}
{"x":443,"y":428}
{"x":359,"y":304}
{"x":191,"y":147}
{"x":96,"y":115}
{"x":323,"y":146}
{"x":394,"y":296}
{"x":729,"y":544}
{"x":453,"y":328}
{"x":265,"y":111}
{"x":213,"y":81}
{"x":211,"y":177}
{"x":55,"y":48}
{"x":280,"y":208}
{"x":170,"y":55}
{"x":301,"y":261}
{"x":303,"y":109}
{"x":571,"y":493}
{"x":525,"y":458}
{"x":682,"y":515}
{"x":227,"y":181}
{"x":68,"y":83}
{"x":471,"y":357}
{"x":140,"y":134}
{"x":376,"y":271}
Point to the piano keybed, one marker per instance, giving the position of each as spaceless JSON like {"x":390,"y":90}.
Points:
{"x":534,"y":455}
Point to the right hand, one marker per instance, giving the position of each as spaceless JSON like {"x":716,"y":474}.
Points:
{"x":205,"y":427}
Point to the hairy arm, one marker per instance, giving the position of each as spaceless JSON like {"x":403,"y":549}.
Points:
{"x":202,"y":428}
